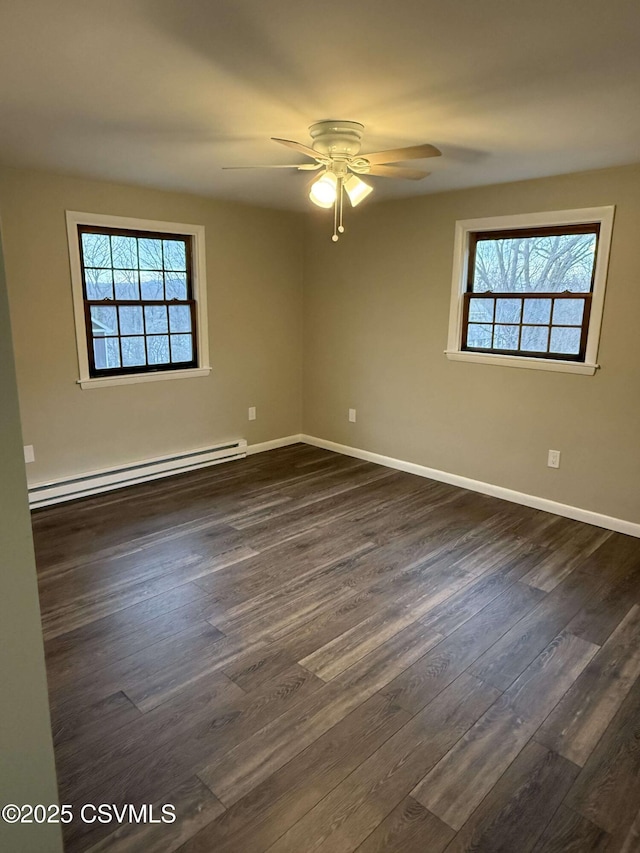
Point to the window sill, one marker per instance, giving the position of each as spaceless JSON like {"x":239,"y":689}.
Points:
{"x":134,"y":378}
{"x":521,"y":361}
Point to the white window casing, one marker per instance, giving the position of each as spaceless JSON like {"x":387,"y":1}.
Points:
{"x":602,"y":215}
{"x":199,"y":285}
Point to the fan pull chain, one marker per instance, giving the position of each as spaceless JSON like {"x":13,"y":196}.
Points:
{"x":338,"y":227}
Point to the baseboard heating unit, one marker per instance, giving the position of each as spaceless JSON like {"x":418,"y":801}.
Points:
{"x":92,"y":483}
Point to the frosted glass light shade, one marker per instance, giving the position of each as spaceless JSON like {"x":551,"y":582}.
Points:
{"x":324,"y":191}
{"x":356,"y":189}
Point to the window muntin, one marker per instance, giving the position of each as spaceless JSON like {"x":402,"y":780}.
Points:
{"x":140,"y":311}
{"x":529,"y":291}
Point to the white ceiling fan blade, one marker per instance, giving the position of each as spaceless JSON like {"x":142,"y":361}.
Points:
{"x":297,"y":146}
{"x":301,"y":166}
{"x":397,"y":155}
{"x":397,"y":172}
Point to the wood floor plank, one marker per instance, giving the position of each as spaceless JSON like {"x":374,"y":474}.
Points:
{"x":351,"y":646}
{"x":389,"y":484}
{"x":516,"y":811}
{"x":576,"y":725}
{"x":369,"y":597}
{"x":630,"y":842}
{"x":409,"y":828}
{"x":461,"y":606}
{"x":418,"y":684}
{"x":255,"y":577}
{"x":112,"y":638}
{"x":157,"y":554}
{"x":72,"y":722}
{"x":397,"y":564}
{"x":250,"y":763}
{"x":509,"y":657}
{"x":454,"y":787}
{"x":348,"y":815}
{"x":607,"y":791}
{"x":348,"y":478}
{"x":251,"y":672}
{"x":614,"y":558}
{"x":194,"y":807}
{"x":597,"y":620}
{"x":87,"y":607}
{"x":567,"y":556}
{"x":199,"y":727}
{"x":569,"y":832}
{"x":149,"y":663}
{"x":152,"y":689}
{"x":115,"y":750}
{"x":262,"y":816}
{"x":176,"y":614}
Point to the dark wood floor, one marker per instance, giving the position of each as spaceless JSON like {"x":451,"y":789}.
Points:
{"x":305,"y":652}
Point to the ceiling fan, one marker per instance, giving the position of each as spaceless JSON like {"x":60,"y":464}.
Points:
{"x":336,"y":150}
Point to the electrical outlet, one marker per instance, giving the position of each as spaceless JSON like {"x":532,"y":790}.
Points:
{"x":352,"y":415}
{"x":252,"y":413}
{"x":553,"y":460}
{"x":29,"y":455}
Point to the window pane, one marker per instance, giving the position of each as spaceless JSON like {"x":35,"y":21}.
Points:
{"x":181,"y":349}
{"x":505,"y":337}
{"x":133,"y":353}
{"x":479,"y":335}
{"x":150,"y":253}
{"x":565,"y":341}
{"x":480,"y":310}
{"x":176,"y":285}
{"x":131,"y":320}
{"x":158,"y":349}
{"x":568,"y":312}
{"x":103,"y":321}
{"x":534,"y":338}
{"x":550,"y":264}
{"x":508,"y":310}
{"x":151,"y":285}
{"x":142,"y":273}
{"x":537,"y":311}
{"x":126,"y":284}
{"x":106,"y":353}
{"x":96,"y":250}
{"x":99,"y":283}
{"x":124,"y":251}
{"x":175,"y":257}
{"x":156,"y":319}
{"x":180,"y":318}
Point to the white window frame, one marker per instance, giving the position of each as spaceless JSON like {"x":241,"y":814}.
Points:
{"x":199,"y":284}
{"x":601,"y":215}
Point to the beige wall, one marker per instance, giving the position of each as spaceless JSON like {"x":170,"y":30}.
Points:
{"x":376,"y":316}
{"x":254,"y":271}
{"x":27,"y":773}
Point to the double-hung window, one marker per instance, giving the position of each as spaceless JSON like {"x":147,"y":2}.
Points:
{"x":529,"y":291}
{"x":139,"y":296}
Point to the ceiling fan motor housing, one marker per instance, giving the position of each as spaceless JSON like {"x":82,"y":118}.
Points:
{"x":336,"y":138}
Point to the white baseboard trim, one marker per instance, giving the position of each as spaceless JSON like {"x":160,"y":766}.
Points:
{"x":619,"y":525}
{"x":273,"y":444}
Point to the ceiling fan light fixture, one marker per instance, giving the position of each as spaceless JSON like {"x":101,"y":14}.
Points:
{"x":324,"y":191}
{"x":357,"y":189}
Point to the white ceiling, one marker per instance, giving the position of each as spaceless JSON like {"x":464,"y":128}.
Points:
{"x":166,"y":92}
